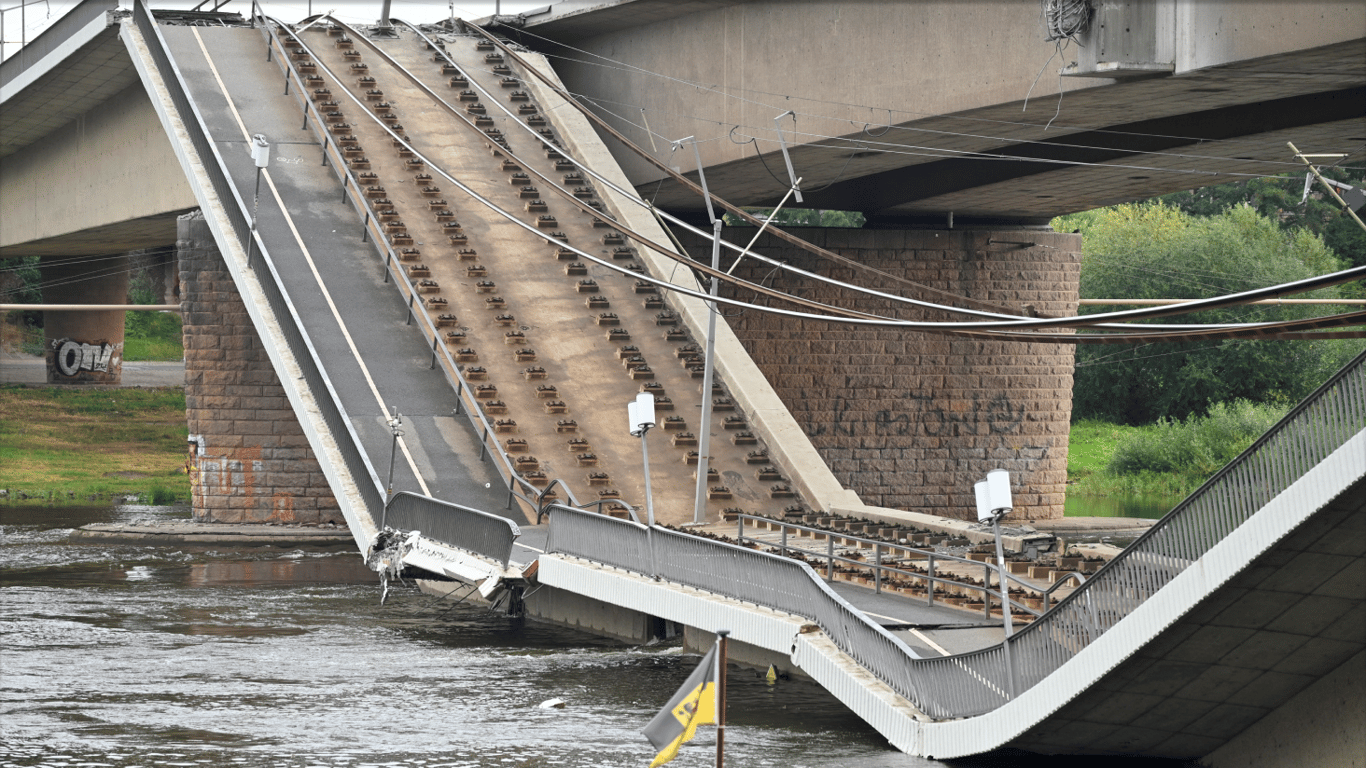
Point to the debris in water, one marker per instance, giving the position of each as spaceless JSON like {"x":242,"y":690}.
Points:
{"x":553,"y":704}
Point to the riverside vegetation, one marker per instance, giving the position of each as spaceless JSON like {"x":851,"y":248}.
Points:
{"x":66,"y":446}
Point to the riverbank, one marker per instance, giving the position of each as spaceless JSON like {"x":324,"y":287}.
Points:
{"x":71,"y":446}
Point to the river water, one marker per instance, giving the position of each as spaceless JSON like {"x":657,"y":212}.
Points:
{"x":134,"y":655}
{"x":141,"y":655}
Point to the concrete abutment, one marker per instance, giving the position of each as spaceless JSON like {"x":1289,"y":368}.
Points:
{"x":250,"y":461}
{"x":911,"y":420}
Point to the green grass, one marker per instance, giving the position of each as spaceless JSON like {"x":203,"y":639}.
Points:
{"x":64,"y":446}
{"x":1168,"y":459}
{"x":152,"y":337}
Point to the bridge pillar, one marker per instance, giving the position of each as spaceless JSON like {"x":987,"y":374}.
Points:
{"x":83,"y":347}
{"x":249,"y":459}
{"x":912,"y":420}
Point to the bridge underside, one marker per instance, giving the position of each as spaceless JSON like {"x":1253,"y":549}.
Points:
{"x":1249,"y":666}
{"x":909,"y":112}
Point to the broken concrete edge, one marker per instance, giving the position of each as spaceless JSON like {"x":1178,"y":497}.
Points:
{"x":187,"y":533}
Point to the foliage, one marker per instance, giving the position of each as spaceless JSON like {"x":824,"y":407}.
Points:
{"x":1169,"y":459}
{"x":1153,"y":250}
{"x":1278,"y":198}
{"x":152,"y":336}
{"x":1198,"y":446}
{"x":801,"y":217}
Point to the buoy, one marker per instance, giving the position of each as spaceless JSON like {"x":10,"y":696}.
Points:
{"x":553,"y":704}
{"x":772,"y":676}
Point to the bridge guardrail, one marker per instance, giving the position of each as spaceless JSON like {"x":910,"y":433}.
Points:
{"x":518,"y":487}
{"x":291,"y":326}
{"x":727,"y":569}
{"x":469,"y":529}
{"x":974,"y":683}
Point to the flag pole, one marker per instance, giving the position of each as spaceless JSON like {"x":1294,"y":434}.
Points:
{"x":721,"y":698}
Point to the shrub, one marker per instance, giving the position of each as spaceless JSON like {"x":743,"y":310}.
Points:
{"x":1198,"y":446}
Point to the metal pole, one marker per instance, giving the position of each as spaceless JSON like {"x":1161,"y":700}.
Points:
{"x":699,"y":513}
{"x":1005,"y":605}
{"x":393,"y":449}
{"x":1326,"y":185}
{"x":721,"y":698}
{"x":649,"y":503}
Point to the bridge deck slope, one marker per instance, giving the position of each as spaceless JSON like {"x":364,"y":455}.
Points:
{"x":356,"y":321}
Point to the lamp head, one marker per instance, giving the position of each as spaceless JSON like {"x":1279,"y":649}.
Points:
{"x":642,"y":413}
{"x":260,"y":150}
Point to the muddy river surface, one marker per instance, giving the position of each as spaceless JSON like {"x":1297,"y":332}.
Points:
{"x":141,"y":655}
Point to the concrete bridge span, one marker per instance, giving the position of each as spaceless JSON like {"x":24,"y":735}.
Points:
{"x":908,"y":112}
{"x":334,"y":325}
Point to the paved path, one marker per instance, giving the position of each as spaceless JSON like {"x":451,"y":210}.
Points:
{"x":30,"y":370}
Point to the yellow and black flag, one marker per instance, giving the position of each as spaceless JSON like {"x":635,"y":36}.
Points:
{"x":693,"y":705}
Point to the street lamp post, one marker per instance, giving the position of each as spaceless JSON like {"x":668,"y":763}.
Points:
{"x":394,"y":426}
{"x":260,"y":154}
{"x":642,"y":416}
{"x":994,"y":503}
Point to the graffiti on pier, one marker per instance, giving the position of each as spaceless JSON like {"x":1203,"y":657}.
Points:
{"x":71,"y":356}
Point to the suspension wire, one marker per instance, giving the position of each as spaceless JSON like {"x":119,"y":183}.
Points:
{"x":850,"y":317}
{"x":1208,"y":303}
{"x":85,"y":258}
{"x":626,"y":67}
{"x":941,"y":152}
{"x":681,"y":257}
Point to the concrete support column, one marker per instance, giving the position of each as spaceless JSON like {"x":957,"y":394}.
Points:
{"x":84,"y":347}
{"x":912,"y":420}
{"x":249,"y":459}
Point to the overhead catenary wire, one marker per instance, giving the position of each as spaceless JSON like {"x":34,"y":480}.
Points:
{"x":847,"y":316}
{"x":797,"y":241}
{"x":726,"y":92}
{"x":631,"y":197}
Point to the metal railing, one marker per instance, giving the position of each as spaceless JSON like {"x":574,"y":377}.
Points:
{"x":756,"y":577}
{"x":469,"y":529}
{"x":977,"y":682}
{"x":903,"y":559}
{"x":287,"y":318}
{"x":353,"y":192}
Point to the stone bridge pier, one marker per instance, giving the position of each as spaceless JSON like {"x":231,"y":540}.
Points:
{"x":912,"y":420}
{"x":249,"y":459}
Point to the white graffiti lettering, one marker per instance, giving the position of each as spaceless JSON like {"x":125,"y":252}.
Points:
{"x":74,"y":356}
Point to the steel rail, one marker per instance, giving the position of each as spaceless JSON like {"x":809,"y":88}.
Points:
{"x":810,"y":247}
{"x":632,"y":197}
{"x":969,"y":684}
{"x":517,"y":486}
{"x":879,"y":547}
{"x":352,"y":190}
{"x":1258,"y":328}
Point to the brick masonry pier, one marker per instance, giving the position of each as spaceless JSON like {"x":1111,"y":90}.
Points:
{"x":250,"y":461}
{"x":912,"y":420}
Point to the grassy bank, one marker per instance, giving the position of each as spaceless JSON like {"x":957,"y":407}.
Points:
{"x":1171,"y":458}
{"x":65,"y":446}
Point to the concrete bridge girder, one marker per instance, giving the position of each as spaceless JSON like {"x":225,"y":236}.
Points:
{"x":927,"y":82}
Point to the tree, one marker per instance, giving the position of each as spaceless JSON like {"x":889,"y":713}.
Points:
{"x":1154,"y":250}
{"x":801,"y":217}
{"x":1278,"y":197}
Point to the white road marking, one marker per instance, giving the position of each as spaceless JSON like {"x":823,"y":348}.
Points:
{"x":408,"y":456}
